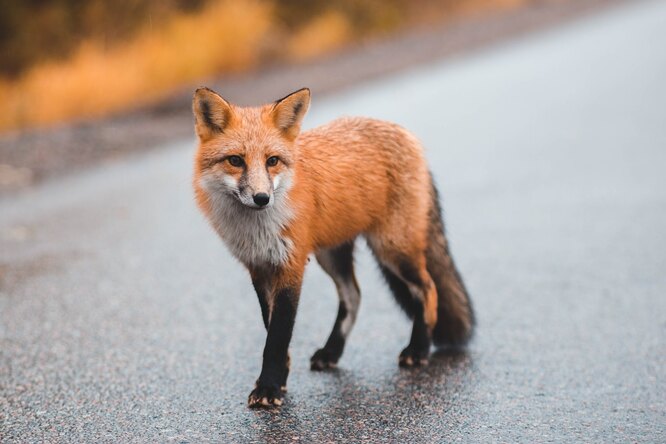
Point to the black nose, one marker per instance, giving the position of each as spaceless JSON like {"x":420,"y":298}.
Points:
{"x":261,"y":199}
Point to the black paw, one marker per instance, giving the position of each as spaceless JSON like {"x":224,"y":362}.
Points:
{"x":265,"y":396}
{"x":413,"y":357}
{"x":323,"y":359}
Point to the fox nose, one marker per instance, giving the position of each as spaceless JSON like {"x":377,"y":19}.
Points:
{"x":261,"y":199}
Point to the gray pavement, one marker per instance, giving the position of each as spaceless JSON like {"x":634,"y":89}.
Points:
{"x":124,"y":319}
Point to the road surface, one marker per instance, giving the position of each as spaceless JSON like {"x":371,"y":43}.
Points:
{"x":124,"y":319}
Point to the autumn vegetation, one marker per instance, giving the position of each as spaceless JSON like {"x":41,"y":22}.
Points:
{"x":73,"y":59}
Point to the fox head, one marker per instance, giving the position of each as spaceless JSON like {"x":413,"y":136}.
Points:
{"x":247,"y":154}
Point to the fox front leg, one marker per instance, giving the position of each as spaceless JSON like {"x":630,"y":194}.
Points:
{"x":269,"y":389}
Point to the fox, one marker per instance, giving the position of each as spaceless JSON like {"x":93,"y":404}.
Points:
{"x":277,"y":195}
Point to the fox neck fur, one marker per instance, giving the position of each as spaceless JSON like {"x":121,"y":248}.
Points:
{"x":254,"y":237}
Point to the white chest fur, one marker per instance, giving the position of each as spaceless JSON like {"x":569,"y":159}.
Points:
{"x":254,"y":237}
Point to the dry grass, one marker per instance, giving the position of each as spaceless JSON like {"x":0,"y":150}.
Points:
{"x":328,"y":32}
{"x":226,"y":36}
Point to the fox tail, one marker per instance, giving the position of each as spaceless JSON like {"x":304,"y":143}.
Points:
{"x":455,"y":315}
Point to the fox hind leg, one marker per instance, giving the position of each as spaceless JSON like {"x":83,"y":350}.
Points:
{"x":338,"y":263}
{"x":414,"y":290}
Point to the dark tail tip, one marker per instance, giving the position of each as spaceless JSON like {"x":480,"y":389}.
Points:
{"x":452,"y":331}
{"x":455,"y":314}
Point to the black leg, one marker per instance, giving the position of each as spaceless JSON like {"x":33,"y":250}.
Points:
{"x":261,"y":286}
{"x":328,"y":356}
{"x":400,"y":291}
{"x":339,"y":264}
{"x":408,"y":289}
{"x":416,"y":353}
{"x":275,"y":369}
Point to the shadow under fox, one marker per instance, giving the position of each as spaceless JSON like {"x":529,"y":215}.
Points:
{"x":276,"y":195}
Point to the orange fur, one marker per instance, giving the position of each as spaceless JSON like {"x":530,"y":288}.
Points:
{"x":352,"y":176}
{"x":326,"y":186}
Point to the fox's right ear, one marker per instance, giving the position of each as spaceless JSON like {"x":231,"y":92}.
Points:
{"x":212,"y":114}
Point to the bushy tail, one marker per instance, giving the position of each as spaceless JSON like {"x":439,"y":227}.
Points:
{"x":455,"y":316}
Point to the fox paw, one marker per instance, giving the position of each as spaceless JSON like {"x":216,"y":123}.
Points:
{"x":265,"y":396}
{"x":412,"y":357}
{"x":323,"y":359}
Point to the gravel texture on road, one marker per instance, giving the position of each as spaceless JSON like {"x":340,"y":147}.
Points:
{"x":124,"y":319}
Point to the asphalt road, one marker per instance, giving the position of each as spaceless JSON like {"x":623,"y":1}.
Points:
{"x":123,"y":318}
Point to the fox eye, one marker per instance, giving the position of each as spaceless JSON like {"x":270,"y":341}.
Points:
{"x":272,"y":161}
{"x":236,"y":161}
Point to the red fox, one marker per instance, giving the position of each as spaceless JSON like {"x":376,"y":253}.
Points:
{"x":276,"y":195}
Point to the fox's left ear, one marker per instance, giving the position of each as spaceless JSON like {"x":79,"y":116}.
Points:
{"x":289,"y":111}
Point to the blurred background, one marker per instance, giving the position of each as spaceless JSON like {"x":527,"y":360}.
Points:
{"x":83,"y":81}
{"x":69,"y":59}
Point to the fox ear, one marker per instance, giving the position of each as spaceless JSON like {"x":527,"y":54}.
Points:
{"x":289,"y":111}
{"x":212,"y":113}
